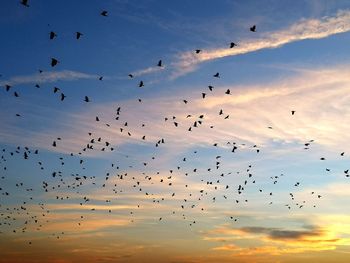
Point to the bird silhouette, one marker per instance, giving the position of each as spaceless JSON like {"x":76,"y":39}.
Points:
{"x":54,"y":62}
{"x":253,"y":28}
{"x":78,"y":35}
{"x":25,"y":3}
{"x":63,"y":97}
{"x":52,"y":35}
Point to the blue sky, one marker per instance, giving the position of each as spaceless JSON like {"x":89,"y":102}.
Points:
{"x":297,"y":60}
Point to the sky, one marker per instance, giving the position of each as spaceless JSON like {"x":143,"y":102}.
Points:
{"x":248,"y":166}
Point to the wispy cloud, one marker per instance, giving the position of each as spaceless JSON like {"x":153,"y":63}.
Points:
{"x":277,"y":241}
{"x":284,"y":234}
{"x":249,"y":108}
{"x":304,"y":29}
{"x":146,"y":71}
{"x":49,"y":76}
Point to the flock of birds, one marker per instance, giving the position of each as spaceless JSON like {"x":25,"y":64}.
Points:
{"x":24,"y":217}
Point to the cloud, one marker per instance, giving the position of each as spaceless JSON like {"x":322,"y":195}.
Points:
{"x":147,"y":71}
{"x":268,"y":250}
{"x":48,"y":76}
{"x":281,"y":234}
{"x":319,"y":98}
{"x":278,"y":241}
{"x":301,"y":30}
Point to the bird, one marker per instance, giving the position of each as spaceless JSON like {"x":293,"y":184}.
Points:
{"x":54,"y":62}
{"x":86,"y":99}
{"x":7,"y":87}
{"x":78,"y":35}
{"x":197,"y":51}
{"x":253,"y":28}
{"x":228,"y":92}
{"x":131,"y":76}
{"x":104,"y":13}
{"x":216,"y":75}
{"x":63,"y":97}
{"x":293,"y":111}
{"x":52,"y":35}
{"x":25,"y":3}
{"x":141,"y":84}
{"x":232,"y":44}
{"x":159,"y":63}
{"x":55,"y":90}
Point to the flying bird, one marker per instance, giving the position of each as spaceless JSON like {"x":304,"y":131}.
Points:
{"x":52,"y":35}
{"x":54,"y":62}
{"x":25,"y":3}
{"x":253,"y":28}
{"x":232,"y":44}
{"x":78,"y":35}
{"x":104,"y":13}
{"x":63,"y":97}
